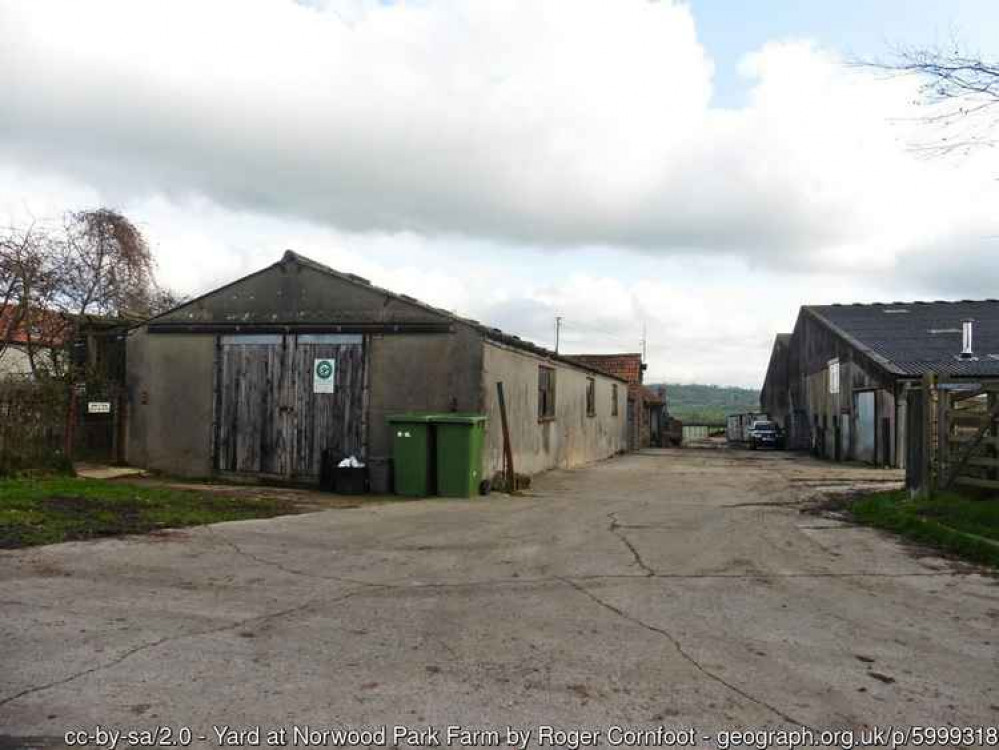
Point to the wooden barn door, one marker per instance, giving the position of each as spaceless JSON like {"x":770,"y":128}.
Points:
{"x":318,"y":419}
{"x":274,"y":417}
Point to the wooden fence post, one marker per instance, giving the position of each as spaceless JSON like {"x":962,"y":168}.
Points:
{"x":993,"y":403}
{"x":69,"y":437}
{"x":926,"y":480}
{"x":943,"y":439}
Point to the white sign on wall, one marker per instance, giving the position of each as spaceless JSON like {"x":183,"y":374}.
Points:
{"x":98,"y":407}
{"x":324,"y":376}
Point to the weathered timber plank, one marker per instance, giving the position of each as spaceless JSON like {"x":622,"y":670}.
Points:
{"x":987,"y":484}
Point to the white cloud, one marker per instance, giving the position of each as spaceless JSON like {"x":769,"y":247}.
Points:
{"x":510,"y":160}
{"x":564,"y":123}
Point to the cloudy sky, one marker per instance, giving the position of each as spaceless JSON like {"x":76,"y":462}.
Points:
{"x":698,"y":169}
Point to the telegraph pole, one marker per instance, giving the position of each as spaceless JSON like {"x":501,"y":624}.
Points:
{"x":644,"y":343}
{"x":558,"y":330}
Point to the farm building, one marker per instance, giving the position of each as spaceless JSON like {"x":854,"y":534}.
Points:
{"x":838,"y":383}
{"x":646,"y":407}
{"x":226,"y":384}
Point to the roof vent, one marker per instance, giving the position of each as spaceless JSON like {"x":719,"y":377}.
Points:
{"x":967,"y":336}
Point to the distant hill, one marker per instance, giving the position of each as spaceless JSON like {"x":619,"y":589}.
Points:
{"x":709,"y":403}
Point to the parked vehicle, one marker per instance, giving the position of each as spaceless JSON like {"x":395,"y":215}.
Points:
{"x":737,"y":426}
{"x":764,"y":434}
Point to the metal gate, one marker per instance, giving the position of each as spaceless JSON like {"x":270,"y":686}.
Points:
{"x":97,"y":422}
{"x":282,"y":400}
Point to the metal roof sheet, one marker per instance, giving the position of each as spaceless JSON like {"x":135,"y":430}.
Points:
{"x":913,"y":338}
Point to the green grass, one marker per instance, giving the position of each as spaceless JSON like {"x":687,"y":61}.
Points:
{"x":57,"y":509}
{"x":962,"y":526}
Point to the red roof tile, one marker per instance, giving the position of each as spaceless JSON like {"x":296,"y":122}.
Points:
{"x":626,"y":366}
{"x":47,"y":328}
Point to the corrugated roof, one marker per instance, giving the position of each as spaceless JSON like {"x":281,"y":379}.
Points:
{"x":913,"y":338}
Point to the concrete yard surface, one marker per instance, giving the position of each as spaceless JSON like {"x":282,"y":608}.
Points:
{"x":672,"y":587}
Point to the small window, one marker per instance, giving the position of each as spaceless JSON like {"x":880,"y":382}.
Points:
{"x":834,"y":376}
{"x":546,"y":393}
{"x":591,"y":397}
{"x":614,"y":399}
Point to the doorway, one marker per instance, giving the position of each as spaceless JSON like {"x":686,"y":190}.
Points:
{"x":282,"y":400}
{"x":864,"y":434}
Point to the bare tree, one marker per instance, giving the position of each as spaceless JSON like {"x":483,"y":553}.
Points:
{"x":53,"y":276}
{"x":960,"y":93}
{"x":106,"y":266}
{"x":164,"y":299}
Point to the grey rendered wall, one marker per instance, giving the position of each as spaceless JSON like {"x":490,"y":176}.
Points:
{"x":572,"y":438}
{"x":418,"y":372}
{"x":170,"y":402}
{"x":173,"y":374}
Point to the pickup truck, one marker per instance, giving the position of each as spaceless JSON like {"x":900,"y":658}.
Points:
{"x":764,"y":434}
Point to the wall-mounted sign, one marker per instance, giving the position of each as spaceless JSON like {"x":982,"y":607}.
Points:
{"x":324,"y":376}
{"x":98,"y":407}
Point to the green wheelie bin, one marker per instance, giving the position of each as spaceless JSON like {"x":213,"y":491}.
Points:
{"x":459,"y":453}
{"x":412,"y":453}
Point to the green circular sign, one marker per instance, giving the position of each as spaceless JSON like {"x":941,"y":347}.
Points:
{"x":324,"y":370}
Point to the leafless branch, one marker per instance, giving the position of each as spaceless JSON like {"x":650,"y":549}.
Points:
{"x":53,"y":275}
{"x":960,"y":93}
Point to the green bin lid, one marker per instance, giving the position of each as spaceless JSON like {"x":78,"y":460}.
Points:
{"x":409,"y":417}
{"x":459,"y":418}
{"x":436,"y":416}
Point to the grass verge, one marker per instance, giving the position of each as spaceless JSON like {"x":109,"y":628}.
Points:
{"x":57,"y":509}
{"x":964,"y":527}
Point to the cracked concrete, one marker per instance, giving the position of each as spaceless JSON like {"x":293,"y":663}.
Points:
{"x":617,"y":530}
{"x":670,"y":587}
{"x":679,"y":649}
